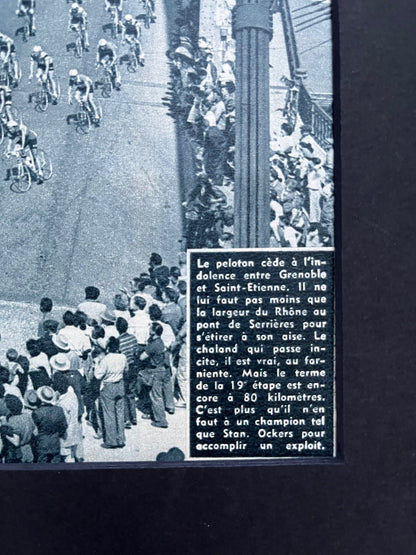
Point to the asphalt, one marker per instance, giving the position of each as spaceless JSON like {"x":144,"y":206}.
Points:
{"x":115,"y":194}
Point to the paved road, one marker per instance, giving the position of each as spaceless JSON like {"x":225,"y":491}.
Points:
{"x":114,"y":197}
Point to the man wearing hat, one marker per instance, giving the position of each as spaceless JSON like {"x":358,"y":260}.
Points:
{"x":108,"y":320}
{"x":51,"y":425}
{"x":71,"y":444}
{"x":62,"y":345}
{"x":61,"y":363}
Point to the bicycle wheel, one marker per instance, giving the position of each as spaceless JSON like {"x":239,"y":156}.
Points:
{"x":107,"y":87}
{"x":79,"y":47}
{"x":25,"y":33}
{"x":132,"y":64}
{"x":83,"y":122}
{"x":45,"y":163}
{"x":22,"y":181}
{"x":42,"y":100}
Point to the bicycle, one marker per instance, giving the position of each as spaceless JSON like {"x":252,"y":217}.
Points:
{"x":106,"y":82}
{"x":148,"y":15}
{"x":79,"y":41}
{"x":115,"y":23}
{"x":22,"y":172}
{"x":44,"y":95}
{"x":132,"y":62}
{"x":85,"y":117}
{"x":8,"y":78}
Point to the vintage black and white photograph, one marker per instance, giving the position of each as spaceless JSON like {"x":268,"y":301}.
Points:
{"x":135,"y":134}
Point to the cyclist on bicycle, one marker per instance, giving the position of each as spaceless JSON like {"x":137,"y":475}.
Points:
{"x":118,"y":4}
{"x":44,"y":70}
{"x":131,"y":33}
{"x":82,"y":88}
{"x":150,"y":5}
{"x":107,"y":57}
{"x":24,"y":140}
{"x":5,"y":103}
{"x":78,"y":23}
{"x":8,"y":54}
{"x":27,"y":7}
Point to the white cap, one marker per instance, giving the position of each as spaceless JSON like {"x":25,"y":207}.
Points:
{"x":73,"y":72}
{"x":74,"y":6}
{"x":36,"y":49}
{"x":128,"y":17}
{"x":12,"y":123}
{"x":102,"y":42}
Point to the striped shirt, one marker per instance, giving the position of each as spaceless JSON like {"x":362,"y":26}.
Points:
{"x":128,"y":345}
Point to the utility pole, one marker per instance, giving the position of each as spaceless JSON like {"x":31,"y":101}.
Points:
{"x":252,"y":30}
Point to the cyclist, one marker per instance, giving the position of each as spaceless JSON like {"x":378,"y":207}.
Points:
{"x":44,"y":70}
{"x":81,"y":87}
{"x":107,"y":57}
{"x":131,"y":33}
{"x":78,"y":23}
{"x":150,"y":5}
{"x":8,"y":54}
{"x":27,"y":7}
{"x":5,"y":103}
{"x":109,"y":4}
{"x":21,"y":138}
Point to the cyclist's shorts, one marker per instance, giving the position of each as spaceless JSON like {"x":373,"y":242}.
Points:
{"x":28,"y":4}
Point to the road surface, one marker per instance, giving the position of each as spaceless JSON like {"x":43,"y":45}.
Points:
{"x":114,"y":197}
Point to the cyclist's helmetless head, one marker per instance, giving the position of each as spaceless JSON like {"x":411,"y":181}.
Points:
{"x":73,"y":76}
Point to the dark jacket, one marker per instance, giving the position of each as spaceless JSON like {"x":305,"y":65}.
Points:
{"x":51,"y":424}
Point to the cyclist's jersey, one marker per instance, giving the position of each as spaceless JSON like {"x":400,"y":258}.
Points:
{"x":79,"y":17}
{"x":42,"y":60}
{"x":84,"y":83}
{"x":6,"y":92}
{"x":6,"y":43}
{"x":116,"y":3}
{"x":30,"y":138}
{"x":107,"y":51}
{"x":131,"y":28}
{"x":28,"y":4}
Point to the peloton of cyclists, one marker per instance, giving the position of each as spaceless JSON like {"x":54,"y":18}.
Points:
{"x":44,"y":70}
{"x":131,"y":33}
{"x":81,"y":88}
{"x":27,"y":7}
{"x":8,"y":58}
{"x":107,"y":57}
{"x":78,"y":22}
{"x":23,"y":139}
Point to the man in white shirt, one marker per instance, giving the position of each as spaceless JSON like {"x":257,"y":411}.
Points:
{"x":139,"y":324}
{"x":78,"y":341}
{"x":91,"y":306}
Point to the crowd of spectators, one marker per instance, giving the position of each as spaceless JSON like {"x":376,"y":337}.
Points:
{"x":97,"y":365}
{"x":201,"y":99}
{"x":301,"y":190}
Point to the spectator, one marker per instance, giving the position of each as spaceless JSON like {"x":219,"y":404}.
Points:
{"x":17,"y":433}
{"x":139,"y":323}
{"x":37,"y":358}
{"x":61,"y":363}
{"x":72,"y":444}
{"x":129,"y":348}
{"x":45,"y":342}
{"x":78,"y":341}
{"x":161,"y":394}
{"x":45,"y":308}
{"x":51,"y":427}
{"x":92,"y":307}
{"x":171,"y":313}
{"x":111,"y":371}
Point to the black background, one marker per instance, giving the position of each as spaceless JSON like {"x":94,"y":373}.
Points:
{"x":365,"y":505}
